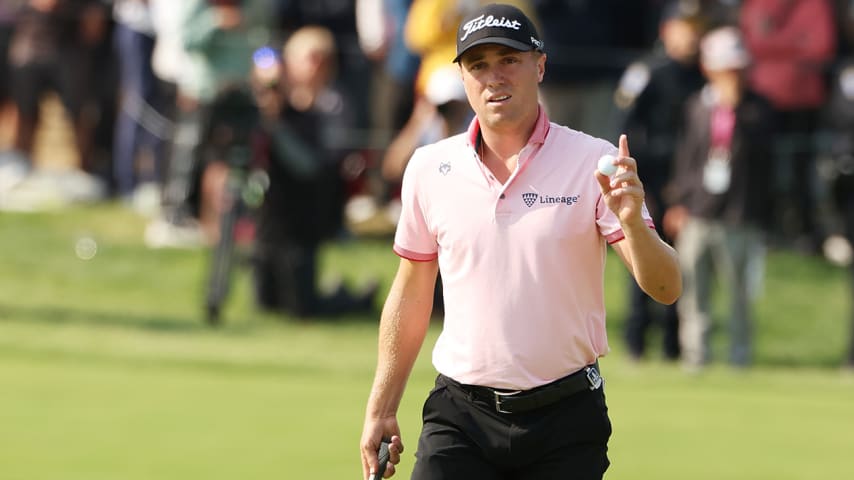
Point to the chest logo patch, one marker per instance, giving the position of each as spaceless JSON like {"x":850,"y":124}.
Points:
{"x":445,"y":168}
{"x":529,"y":198}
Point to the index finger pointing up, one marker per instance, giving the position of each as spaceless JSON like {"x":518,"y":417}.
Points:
{"x":624,"y":145}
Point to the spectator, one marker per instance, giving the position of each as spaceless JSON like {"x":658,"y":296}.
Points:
{"x":169,"y":60}
{"x":381,"y":24}
{"x":719,"y":197}
{"x":52,"y":50}
{"x":339,"y":17}
{"x":792,"y":43}
{"x":652,"y":95}
{"x":100,"y":92}
{"x":138,"y":134}
{"x":204,"y":46}
{"x":291,"y":117}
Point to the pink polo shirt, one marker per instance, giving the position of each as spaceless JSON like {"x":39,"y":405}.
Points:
{"x":522,"y":263}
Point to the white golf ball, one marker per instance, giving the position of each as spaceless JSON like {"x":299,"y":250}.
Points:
{"x":606,"y":165}
{"x":86,"y":248}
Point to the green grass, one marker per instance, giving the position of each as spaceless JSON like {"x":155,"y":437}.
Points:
{"x":107,"y":371}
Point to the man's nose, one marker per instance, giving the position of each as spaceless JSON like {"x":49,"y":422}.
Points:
{"x":495,"y":77}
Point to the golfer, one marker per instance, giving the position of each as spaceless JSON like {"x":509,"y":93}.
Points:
{"x":516,"y":216}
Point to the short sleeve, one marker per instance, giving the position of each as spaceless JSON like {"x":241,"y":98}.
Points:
{"x":413,"y":238}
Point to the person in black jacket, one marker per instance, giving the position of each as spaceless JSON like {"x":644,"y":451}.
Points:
{"x":289,"y":123}
{"x":720,"y":197}
{"x":652,"y":96}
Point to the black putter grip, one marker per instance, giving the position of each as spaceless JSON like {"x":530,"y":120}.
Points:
{"x":382,"y":457}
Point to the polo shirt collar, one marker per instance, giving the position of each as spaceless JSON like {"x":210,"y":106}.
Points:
{"x":538,"y":136}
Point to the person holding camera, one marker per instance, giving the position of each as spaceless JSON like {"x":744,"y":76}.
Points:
{"x":287,"y":122}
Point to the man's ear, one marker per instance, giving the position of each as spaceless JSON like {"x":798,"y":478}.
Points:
{"x":541,"y":67}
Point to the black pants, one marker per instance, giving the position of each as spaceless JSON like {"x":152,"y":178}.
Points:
{"x":795,"y":199}
{"x":285,"y":280}
{"x":466,"y":438}
{"x":643,"y":310}
{"x":643,"y":313}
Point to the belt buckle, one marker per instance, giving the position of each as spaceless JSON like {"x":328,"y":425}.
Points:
{"x":593,"y":377}
{"x":499,"y":396}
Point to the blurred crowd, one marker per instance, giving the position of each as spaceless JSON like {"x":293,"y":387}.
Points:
{"x":316,"y":105}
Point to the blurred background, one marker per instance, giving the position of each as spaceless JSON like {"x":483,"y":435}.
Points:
{"x":198,"y":198}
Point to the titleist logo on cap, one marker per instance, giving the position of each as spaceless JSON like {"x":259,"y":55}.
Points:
{"x":497,"y":24}
{"x":480,"y":22}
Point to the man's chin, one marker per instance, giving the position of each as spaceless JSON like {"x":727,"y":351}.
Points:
{"x":495,"y":114}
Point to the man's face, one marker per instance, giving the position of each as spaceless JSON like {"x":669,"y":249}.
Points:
{"x":44,"y":5}
{"x":734,"y":78}
{"x":681,"y":39}
{"x":502,"y":84}
{"x":308,"y":66}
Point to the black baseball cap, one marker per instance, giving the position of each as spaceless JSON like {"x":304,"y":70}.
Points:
{"x":497,"y":23}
